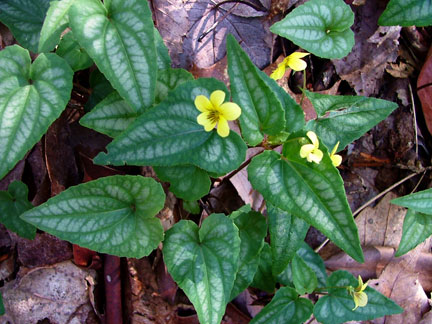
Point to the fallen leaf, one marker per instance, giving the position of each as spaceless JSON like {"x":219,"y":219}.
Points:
{"x":424,"y":90}
{"x":59,"y":293}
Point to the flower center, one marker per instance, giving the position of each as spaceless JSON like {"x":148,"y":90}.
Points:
{"x":214,"y":116}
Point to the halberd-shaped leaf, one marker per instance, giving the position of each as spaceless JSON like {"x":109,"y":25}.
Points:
{"x":187,"y":181}
{"x":336,"y":307}
{"x":25,"y":19}
{"x":262,"y":112}
{"x":13,"y":203}
{"x":169,"y":135}
{"x":121,"y":42}
{"x":286,"y":307}
{"x":204,"y":262}
{"x":321,"y":27}
{"x":308,"y":190}
{"x":419,"y":201}
{"x":252,"y":230}
{"x":55,"y":23}
{"x":417,"y":227}
{"x":73,"y":53}
{"x":287,"y":233}
{"x":407,"y":13}
{"x":349,"y":117}
{"x":112,"y":215}
{"x":32,"y":96}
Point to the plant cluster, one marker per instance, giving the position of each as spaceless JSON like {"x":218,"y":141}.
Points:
{"x":162,"y":117}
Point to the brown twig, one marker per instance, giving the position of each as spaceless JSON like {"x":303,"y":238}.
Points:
{"x":113,"y":300}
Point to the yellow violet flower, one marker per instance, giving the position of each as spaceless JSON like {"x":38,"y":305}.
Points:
{"x":335,"y":158}
{"x":293,"y":61}
{"x":216,"y":112}
{"x":358,"y":294}
{"x":311,"y":151}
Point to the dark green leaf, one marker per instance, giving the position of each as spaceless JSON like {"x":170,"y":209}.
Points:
{"x":419,"y":201}
{"x":262,"y":112}
{"x":337,"y":307}
{"x":112,"y":215}
{"x":100,"y":87}
{"x":73,"y":53}
{"x":287,"y":233}
{"x":264,"y":278}
{"x":13,"y":203}
{"x":286,"y":307}
{"x":168,"y":80}
{"x":191,"y":206}
{"x":407,"y":13}
{"x":24,"y":18}
{"x":304,"y":278}
{"x":204,"y":262}
{"x":163,"y":58}
{"x":32,"y":96}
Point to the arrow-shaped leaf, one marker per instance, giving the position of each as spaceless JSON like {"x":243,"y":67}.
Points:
{"x":321,"y":27}
{"x":112,"y":215}
{"x":32,"y":96}
{"x":121,"y":42}
{"x":419,"y":201}
{"x":203,"y":261}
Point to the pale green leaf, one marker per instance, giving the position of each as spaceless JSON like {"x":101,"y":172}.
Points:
{"x":121,"y":42}
{"x":113,"y":215}
{"x":336,"y":307}
{"x":348,"y":118}
{"x":55,"y":23}
{"x":304,"y":278}
{"x":264,"y":278}
{"x":262,"y":112}
{"x":407,"y":13}
{"x":321,"y":27}
{"x":417,"y":227}
{"x":419,"y":201}
{"x":287,"y":233}
{"x":311,"y":191}
{"x":286,"y":307}
{"x":32,"y":96}
{"x":187,"y":181}
{"x":111,"y":116}
{"x":252,"y":230}
{"x":13,"y":203}
{"x":169,"y":135}
{"x":204,"y":262}
{"x":25,"y":19}
{"x":73,"y":53}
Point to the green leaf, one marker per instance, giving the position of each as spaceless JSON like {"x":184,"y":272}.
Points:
{"x":111,"y":116}
{"x":304,"y":278}
{"x":24,"y":18}
{"x":337,"y":307}
{"x":407,"y":13}
{"x":2,"y":308}
{"x":294,"y":115}
{"x":252,"y":230}
{"x":348,"y":119}
{"x":419,"y":201}
{"x":55,"y":23}
{"x":121,"y":42}
{"x":163,"y":58}
{"x":113,"y":215}
{"x":187,"y":181}
{"x":192,"y":207}
{"x":204,"y":262}
{"x":32,"y":96}
{"x":312,"y":260}
{"x":417,"y":227}
{"x":262,"y":112}
{"x":73,"y":53}
{"x":13,"y":203}
{"x":321,"y":27}
{"x":286,"y":307}
{"x":314,"y":192}
{"x":100,"y":87}
{"x":168,"y":80}
{"x":169,"y":135}
{"x":287,"y":233}
{"x":264,"y":278}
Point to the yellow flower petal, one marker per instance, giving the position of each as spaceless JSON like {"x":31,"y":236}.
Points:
{"x":316,"y":156}
{"x":314,"y":139}
{"x":306,"y":149}
{"x":203,"y":119}
{"x":298,"y":55}
{"x":336,"y":159}
{"x":279,"y":72}
{"x":295,"y":62}
{"x":335,"y":148}
{"x":217,"y":98}
{"x":360,"y":299}
{"x":230,"y":110}
{"x":202,"y":103}
{"x":223,"y":127}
